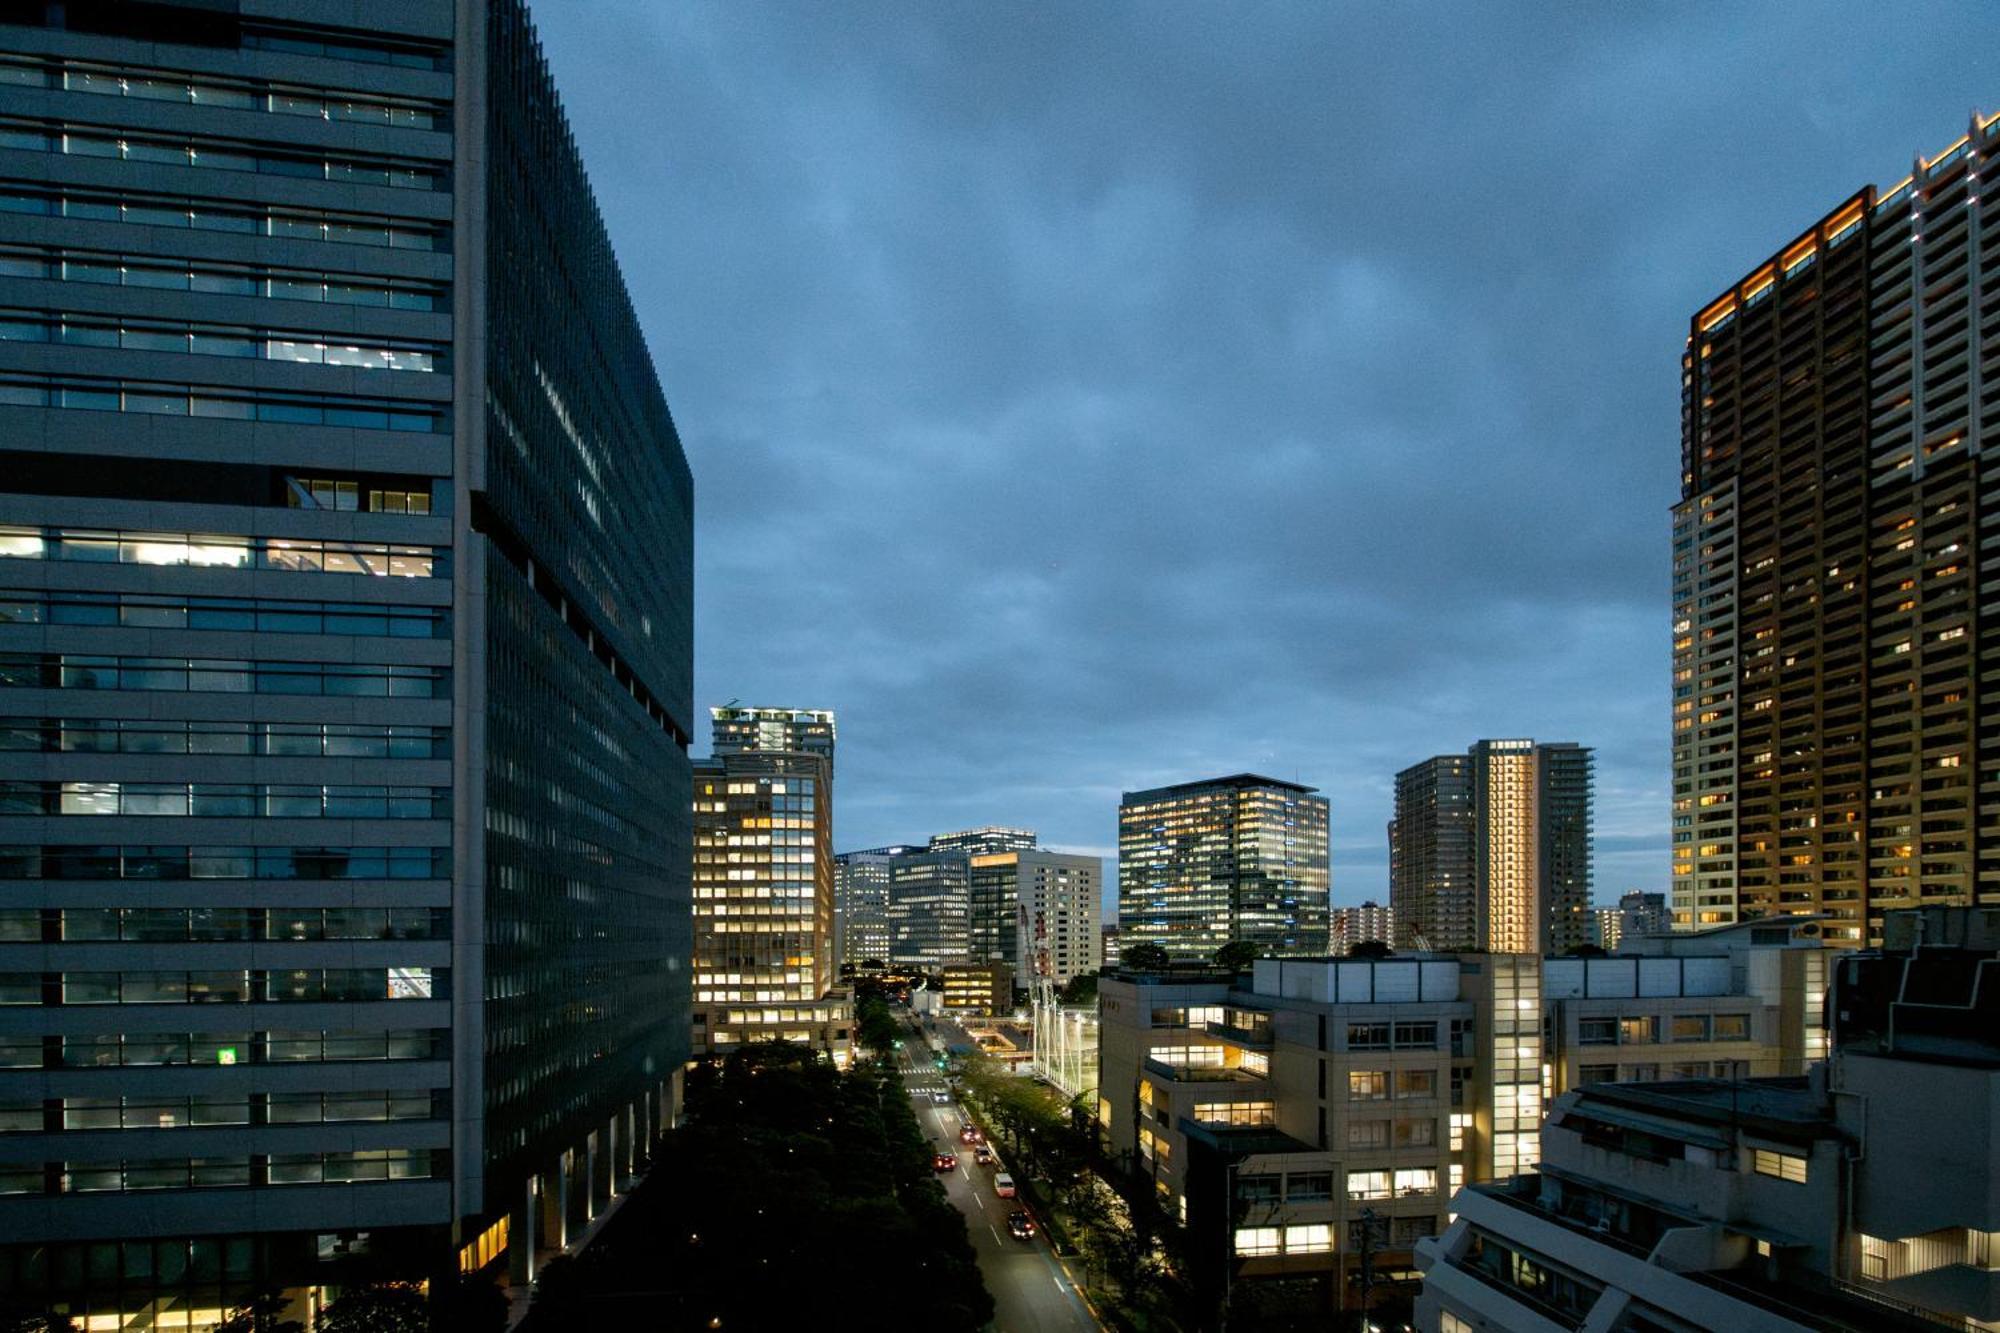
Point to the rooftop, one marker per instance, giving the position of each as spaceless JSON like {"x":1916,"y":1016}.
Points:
{"x":1780,"y":1107}
{"x":1234,"y":780}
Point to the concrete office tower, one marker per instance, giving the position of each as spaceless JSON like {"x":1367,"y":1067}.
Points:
{"x":1831,"y":622}
{"x":1202,"y":864}
{"x":861,"y":905}
{"x":1492,"y":850}
{"x":764,"y":966}
{"x":763,"y":905}
{"x":930,"y":910}
{"x":1357,"y":925}
{"x":1058,"y":915}
{"x":344,"y":678}
{"x":995,"y":899}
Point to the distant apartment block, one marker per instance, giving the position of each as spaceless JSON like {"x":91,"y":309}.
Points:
{"x":1637,"y":914}
{"x":1242,"y":858}
{"x":1492,"y":850}
{"x":1058,"y":899}
{"x":1359,"y":925}
{"x":861,"y":905}
{"x":1833,"y":623}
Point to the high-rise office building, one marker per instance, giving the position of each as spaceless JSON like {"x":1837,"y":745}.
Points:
{"x":345,"y":664}
{"x":1492,"y":850}
{"x":764,"y":965}
{"x":1832,"y":616}
{"x":1204,"y":864}
{"x":991,"y":851}
{"x":1359,"y":925}
{"x":861,"y":905}
{"x":1058,"y":915}
{"x":930,"y":909}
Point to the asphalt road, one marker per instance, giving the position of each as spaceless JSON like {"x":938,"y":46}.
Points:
{"x":1031,"y":1292}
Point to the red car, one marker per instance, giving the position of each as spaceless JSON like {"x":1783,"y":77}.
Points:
{"x":945,"y":1161}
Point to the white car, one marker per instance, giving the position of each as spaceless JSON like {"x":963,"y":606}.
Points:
{"x":1003,"y":1185}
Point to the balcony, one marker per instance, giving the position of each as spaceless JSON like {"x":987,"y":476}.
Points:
{"x":1257,"y":1039}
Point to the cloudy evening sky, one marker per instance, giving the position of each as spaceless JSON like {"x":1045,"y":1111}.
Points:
{"x":1084,"y":397}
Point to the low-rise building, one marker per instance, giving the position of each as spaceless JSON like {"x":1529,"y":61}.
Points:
{"x":1733,"y":1002}
{"x":978,"y":988}
{"x":1318,"y":1109}
{"x":1858,"y":1197}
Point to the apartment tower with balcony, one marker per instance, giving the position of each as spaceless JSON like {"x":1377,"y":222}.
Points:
{"x":1833,"y":603}
{"x":345,"y":589}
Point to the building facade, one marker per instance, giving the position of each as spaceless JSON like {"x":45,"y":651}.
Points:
{"x":1493,"y":851}
{"x":1317,"y":1109}
{"x":764,"y":968}
{"x":1857,"y":1198}
{"x":347,"y":546}
{"x":1829,"y":637}
{"x":991,"y":854}
{"x":861,"y":905}
{"x":986,"y":989}
{"x":739,"y":730}
{"x":1242,"y":858}
{"x":930,"y":910}
{"x":1359,"y":925}
{"x":1058,"y":913}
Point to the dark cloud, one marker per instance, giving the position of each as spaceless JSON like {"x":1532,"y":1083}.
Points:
{"x":1082,"y":398}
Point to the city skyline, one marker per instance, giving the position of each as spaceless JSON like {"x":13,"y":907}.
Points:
{"x":1091,"y":278}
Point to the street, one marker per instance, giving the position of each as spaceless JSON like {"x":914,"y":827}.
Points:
{"x":1031,"y":1292}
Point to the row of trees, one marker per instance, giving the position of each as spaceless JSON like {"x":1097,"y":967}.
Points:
{"x":790,"y":1182}
{"x":465,"y":1305}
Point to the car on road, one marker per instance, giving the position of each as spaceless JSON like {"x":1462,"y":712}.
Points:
{"x":970,"y":1135}
{"x":1003,"y":1185}
{"x":941,"y":1098}
{"x":1020,"y":1225}
{"x":983,"y":1155}
{"x":945,"y":1161}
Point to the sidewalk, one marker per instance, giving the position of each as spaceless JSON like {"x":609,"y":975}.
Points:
{"x":519,"y":1297}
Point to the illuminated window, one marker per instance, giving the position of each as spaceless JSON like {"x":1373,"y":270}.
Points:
{"x":1782,"y":1166}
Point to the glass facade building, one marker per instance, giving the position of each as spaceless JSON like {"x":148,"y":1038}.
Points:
{"x":1204,"y":864}
{"x":345,"y":660}
{"x":1833,"y":606}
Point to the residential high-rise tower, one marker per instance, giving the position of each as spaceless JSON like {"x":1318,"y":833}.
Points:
{"x":1204,"y":864}
{"x":344,"y":659}
{"x":1833,"y":613}
{"x":1491,"y":850}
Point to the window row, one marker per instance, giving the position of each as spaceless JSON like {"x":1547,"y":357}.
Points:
{"x":307,"y":985}
{"x":182,"y":400}
{"x":160,"y":85}
{"x":1644,"y":1029}
{"x":1373,"y":1085}
{"x":1388,"y":1134}
{"x":218,"y":1172}
{"x":1302,"y":1238}
{"x":1295,"y":1187}
{"x":345,"y":496}
{"x":1392,"y":1036}
{"x":348,"y":740}
{"x":195,"y":1112}
{"x":1649,"y":1072}
{"x":217,"y":155}
{"x":29,"y":925}
{"x":133,"y":334}
{"x":214,"y":550}
{"x":1402,"y":1183}
{"x":1236,"y":1113}
{"x":111,"y":1050}
{"x":223,"y":800}
{"x":199,"y":675}
{"x":159,"y":210}
{"x":135,"y":610}
{"x":69,"y":861}
{"x":217,"y":278}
